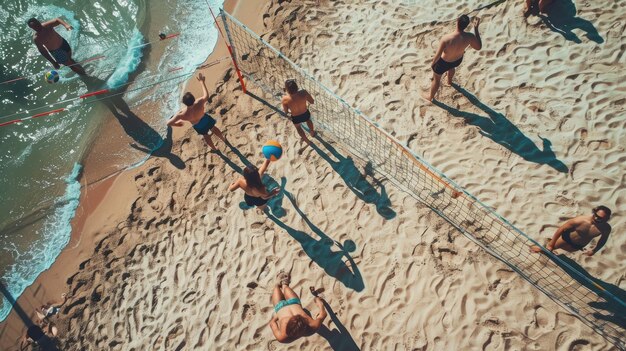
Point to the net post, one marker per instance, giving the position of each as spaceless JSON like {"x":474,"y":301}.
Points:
{"x":365,"y":140}
{"x":229,"y":42}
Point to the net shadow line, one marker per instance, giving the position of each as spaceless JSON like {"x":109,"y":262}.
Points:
{"x":419,"y":162}
{"x":424,"y":165}
{"x":481,"y":208}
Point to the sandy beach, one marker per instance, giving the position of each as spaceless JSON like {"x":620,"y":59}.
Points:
{"x":164,"y":258}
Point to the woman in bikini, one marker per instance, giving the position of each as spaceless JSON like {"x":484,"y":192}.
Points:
{"x":256,"y":194}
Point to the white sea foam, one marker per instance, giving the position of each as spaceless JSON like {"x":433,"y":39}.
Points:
{"x":55,"y":235}
{"x":129,"y":62}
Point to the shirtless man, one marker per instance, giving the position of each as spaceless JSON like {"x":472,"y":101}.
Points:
{"x":295,"y":105}
{"x":290,"y":321}
{"x":574,"y":234}
{"x":48,"y":40}
{"x":194,"y":114}
{"x":256,"y":194}
{"x":450,"y":52}
{"x":533,"y":7}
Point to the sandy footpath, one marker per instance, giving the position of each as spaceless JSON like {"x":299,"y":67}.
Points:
{"x":170,"y":260}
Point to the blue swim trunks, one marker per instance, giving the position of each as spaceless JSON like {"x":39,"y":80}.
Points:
{"x":205,"y":124}
{"x":283,"y":303}
{"x":62,"y":54}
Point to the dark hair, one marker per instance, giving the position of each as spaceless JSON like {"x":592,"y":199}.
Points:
{"x":252,"y":177}
{"x":296,"y":326}
{"x":291,"y":86}
{"x":189,"y":99}
{"x":33,"y":21}
{"x":463,"y":22}
{"x":603,"y":209}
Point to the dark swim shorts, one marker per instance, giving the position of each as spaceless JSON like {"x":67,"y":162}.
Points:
{"x":205,"y":124}
{"x":442,"y":66}
{"x":254,"y":201}
{"x":63,"y":53}
{"x":568,"y":240}
{"x":301,"y":118}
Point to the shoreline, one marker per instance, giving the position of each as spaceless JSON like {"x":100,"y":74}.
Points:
{"x":99,"y":209}
{"x":192,"y":266}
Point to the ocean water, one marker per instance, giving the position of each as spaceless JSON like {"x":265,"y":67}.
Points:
{"x":40,"y":159}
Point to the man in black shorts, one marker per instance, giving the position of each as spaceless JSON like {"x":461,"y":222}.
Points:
{"x":450,"y":52}
{"x":295,"y":103}
{"x":48,"y":40}
{"x":577,"y":232}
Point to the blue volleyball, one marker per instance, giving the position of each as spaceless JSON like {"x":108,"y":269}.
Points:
{"x":52,"y":76}
{"x":272,"y":150}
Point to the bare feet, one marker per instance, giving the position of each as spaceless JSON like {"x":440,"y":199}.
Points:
{"x":284,"y":278}
{"x":426,"y":97}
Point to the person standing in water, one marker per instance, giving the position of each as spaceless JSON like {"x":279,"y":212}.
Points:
{"x":576,"y":233}
{"x":295,"y":104}
{"x":256,"y":194}
{"x":193,"y":112}
{"x":48,"y":40}
{"x":450,"y":53}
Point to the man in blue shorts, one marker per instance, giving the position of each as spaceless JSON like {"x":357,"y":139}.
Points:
{"x":52,"y":46}
{"x":193,"y":112}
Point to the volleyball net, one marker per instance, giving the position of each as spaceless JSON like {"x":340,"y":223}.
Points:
{"x":266,"y":68}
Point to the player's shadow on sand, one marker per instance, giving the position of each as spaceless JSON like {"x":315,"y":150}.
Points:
{"x":339,"y":338}
{"x":617,"y":312}
{"x":275,"y":203}
{"x":561,"y":18}
{"x":499,"y":129}
{"x":356,"y":182}
{"x":320,"y":250}
{"x":146,"y":139}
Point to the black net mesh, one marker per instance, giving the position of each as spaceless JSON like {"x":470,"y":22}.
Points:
{"x":334,"y":119}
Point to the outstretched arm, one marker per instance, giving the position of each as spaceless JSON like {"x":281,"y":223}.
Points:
{"x":264,"y":167}
{"x":476,"y":43}
{"x":175,"y":121}
{"x":57,"y":21}
{"x":276,"y":330}
{"x":285,"y":106}
{"x":319,"y":318}
{"x":600,"y":244}
{"x":205,"y":91}
{"x":234,"y":186}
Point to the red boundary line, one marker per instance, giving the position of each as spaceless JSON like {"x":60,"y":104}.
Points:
{"x":47,"y":113}
{"x":94,"y":93}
